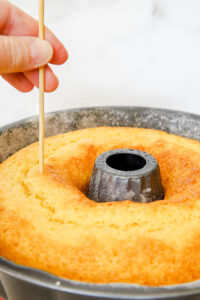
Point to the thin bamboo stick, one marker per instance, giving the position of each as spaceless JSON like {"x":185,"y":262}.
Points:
{"x":41,"y":92}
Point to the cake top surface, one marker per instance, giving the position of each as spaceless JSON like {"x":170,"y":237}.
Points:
{"x":47,"y":221}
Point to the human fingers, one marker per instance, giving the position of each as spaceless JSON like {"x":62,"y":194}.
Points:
{"x":51,"y":81}
{"x":15,"y":22}
{"x":20,"y":54}
{"x":19,"y":81}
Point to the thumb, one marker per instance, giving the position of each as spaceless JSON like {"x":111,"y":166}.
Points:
{"x":19,"y":54}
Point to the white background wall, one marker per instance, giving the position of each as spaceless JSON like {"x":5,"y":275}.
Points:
{"x":121,"y":52}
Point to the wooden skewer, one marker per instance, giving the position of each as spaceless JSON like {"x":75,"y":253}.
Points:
{"x":41,"y":92}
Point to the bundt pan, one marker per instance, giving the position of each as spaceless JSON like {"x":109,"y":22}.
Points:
{"x":22,"y":283}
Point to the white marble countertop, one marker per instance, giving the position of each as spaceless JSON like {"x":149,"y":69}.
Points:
{"x":121,"y":52}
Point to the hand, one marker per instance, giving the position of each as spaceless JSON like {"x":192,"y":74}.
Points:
{"x":22,"y":53}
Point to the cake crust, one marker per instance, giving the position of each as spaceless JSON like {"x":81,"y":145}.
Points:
{"x":47,"y":221}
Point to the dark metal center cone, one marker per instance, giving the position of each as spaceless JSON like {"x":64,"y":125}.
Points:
{"x":126,"y":174}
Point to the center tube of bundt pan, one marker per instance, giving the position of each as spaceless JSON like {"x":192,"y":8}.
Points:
{"x":126,"y":174}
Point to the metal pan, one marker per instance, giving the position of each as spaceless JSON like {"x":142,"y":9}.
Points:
{"x":22,"y":283}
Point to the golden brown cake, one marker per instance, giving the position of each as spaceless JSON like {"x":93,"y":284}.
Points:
{"x":47,"y":222}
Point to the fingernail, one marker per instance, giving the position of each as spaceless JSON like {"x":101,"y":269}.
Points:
{"x":41,"y":52}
